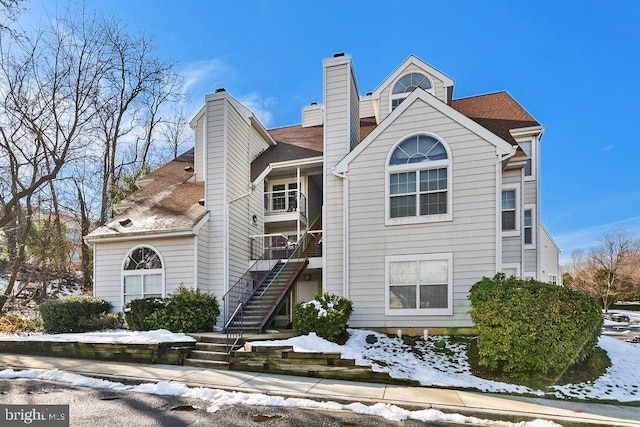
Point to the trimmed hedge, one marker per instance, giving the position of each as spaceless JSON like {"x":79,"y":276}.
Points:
{"x":136,"y":312}
{"x":526,"y":326}
{"x":75,"y":313}
{"x":186,"y":310}
{"x":327,"y":315}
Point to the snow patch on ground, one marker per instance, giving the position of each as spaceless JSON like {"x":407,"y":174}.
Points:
{"x":118,"y":336}
{"x":219,"y":398}
{"x":450,"y":368}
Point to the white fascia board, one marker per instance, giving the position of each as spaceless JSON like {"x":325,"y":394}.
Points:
{"x":262,"y":176}
{"x":198,"y":226}
{"x":261,"y":130}
{"x":528,"y":131}
{"x":194,"y":121}
{"x":549,"y":236}
{"x":502,"y":146}
{"x":413,"y":60}
{"x":298,"y":162}
{"x":141,"y":235}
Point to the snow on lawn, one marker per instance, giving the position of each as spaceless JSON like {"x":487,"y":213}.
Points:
{"x":118,"y":336}
{"x":451,"y":368}
{"x":219,"y":398}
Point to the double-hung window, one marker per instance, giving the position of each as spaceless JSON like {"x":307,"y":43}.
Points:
{"x":419,"y":284}
{"x":419,"y":183}
{"x":527,"y":147}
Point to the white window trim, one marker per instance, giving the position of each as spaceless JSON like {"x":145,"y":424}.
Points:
{"x":532,"y":208}
{"x":417,"y":167}
{"x":404,"y":95}
{"x":420,"y":311}
{"x":534,"y":157}
{"x":142,"y":272}
{"x":511,"y":265}
{"x":516,"y":232}
{"x":549,"y":276}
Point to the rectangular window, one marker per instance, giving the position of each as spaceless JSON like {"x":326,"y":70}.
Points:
{"x":509,"y":210}
{"x":278,"y":197}
{"x":419,"y":284}
{"x":526,"y":147}
{"x":528,"y":227}
{"x":552,"y":278}
{"x":142,"y":285}
{"x":409,"y":197}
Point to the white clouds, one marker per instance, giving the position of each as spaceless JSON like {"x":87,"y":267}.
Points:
{"x":261,"y":107}
{"x":203,"y":77}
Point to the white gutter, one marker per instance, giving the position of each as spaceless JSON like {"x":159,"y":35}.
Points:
{"x":253,"y":184}
{"x":141,"y":235}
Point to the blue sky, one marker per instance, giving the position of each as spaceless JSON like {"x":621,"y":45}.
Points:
{"x":574,"y":65}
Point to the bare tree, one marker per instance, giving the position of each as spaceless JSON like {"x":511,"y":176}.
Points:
{"x":135,"y":87}
{"x":174,"y":130}
{"x":609,"y":271}
{"x":48,"y":83}
{"x":9,"y":10}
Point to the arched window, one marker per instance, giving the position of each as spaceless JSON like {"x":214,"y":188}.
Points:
{"x":143,"y":274}
{"x":419,"y":170}
{"x":406,"y":85}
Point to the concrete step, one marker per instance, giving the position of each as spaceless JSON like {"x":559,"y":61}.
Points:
{"x":215,"y":347}
{"x":210,"y":364}
{"x":208,"y":355}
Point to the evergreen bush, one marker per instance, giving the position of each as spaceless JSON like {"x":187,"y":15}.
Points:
{"x":525,"y":326}
{"x":187,"y":310}
{"x":327,"y":315}
{"x":137,"y":312}
{"x":74,"y":313}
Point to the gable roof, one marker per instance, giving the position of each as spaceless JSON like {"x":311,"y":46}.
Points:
{"x":448,"y":81}
{"x":418,"y":94}
{"x":167,"y":203}
{"x":498,"y":112}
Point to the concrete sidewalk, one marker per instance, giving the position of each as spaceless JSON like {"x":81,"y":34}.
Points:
{"x":481,"y":405}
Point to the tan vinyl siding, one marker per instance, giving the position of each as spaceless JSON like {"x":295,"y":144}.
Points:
{"x":530,"y":262}
{"x":199,"y":150}
{"x":470,"y":236}
{"x":239,"y":158}
{"x":177,"y":254}
{"x":204,"y":256}
{"x":336,"y":146}
{"x":511,"y":250}
{"x":439,"y":90}
{"x":216,"y":134}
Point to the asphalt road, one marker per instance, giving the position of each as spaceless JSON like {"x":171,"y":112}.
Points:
{"x":94,"y":407}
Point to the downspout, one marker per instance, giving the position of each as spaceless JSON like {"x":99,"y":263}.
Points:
{"x":499,"y":163}
{"x":298,"y":193}
{"x":345,"y":231}
{"x":522,"y":253}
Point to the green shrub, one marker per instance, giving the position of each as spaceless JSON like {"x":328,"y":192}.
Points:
{"x":99,"y":322}
{"x":75,"y":313}
{"x":187,"y":310}
{"x":526,"y":326}
{"x":327,"y":316}
{"x":137,"y":312}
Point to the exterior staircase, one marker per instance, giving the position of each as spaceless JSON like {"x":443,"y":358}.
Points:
{"x":262,"y":305}
{"x":210,"y":351}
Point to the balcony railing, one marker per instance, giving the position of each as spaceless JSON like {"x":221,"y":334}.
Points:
{"x":284,"y":201}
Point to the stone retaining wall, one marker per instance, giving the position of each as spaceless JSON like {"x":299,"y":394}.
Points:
{"x":168,"y":353}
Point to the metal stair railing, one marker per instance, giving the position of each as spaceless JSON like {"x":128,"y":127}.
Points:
{"x":243,"y":289}
{"x":297,"y":253}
